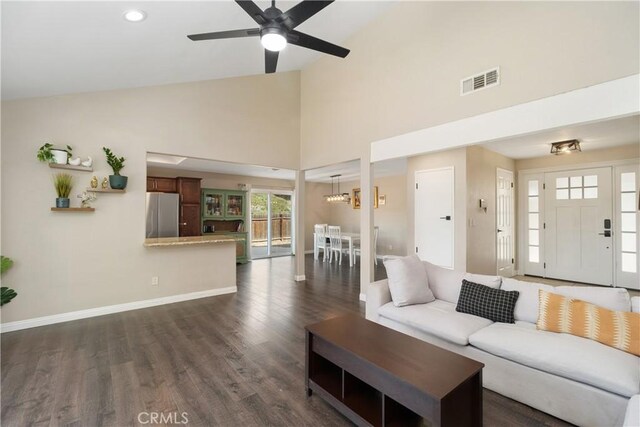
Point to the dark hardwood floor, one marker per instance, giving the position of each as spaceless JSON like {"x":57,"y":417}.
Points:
{"x":229,"y":360}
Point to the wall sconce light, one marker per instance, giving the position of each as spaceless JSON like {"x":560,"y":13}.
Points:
{"x":565,"y":147}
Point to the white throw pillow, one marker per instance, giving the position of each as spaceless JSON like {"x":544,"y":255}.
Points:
{"x":445,"y":283}
{"x":482,"y":279}
{"x":527,"y":305}
{"x":408,"y":281}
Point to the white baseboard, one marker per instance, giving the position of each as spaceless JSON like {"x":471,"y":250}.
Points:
{"x":109,"y":309}
{"x":363,"y":297}
{"x":299,"y":278}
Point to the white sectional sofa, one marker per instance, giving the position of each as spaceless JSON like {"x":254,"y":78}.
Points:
{"x":575,"y":379}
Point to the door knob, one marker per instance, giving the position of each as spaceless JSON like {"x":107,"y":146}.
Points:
{"x":499,"y":231}
{"x":446,"y":218}
{"x":183,"y":223}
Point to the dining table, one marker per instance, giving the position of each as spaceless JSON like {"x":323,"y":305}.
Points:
{"x":350,"y":238}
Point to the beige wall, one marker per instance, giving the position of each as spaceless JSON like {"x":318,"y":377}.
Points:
{"x":458,"y":159}
{"x":391,"y":217}
{"x":482,"y":165}
{"x":73,"y":261}
{"x":593,"y":156}
{"x":388,"y":86}
{"x":317,"y":210}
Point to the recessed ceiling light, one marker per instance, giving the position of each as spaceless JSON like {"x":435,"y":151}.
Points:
{"x":135,"y":15}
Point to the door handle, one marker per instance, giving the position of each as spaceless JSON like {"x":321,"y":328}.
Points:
{"x":499,"y":231}
{"x":183,"y":223}
{"x":607,"y":233}
{"x":446,"y":218}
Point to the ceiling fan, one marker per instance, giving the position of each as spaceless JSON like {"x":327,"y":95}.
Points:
{"x":276,"y":29}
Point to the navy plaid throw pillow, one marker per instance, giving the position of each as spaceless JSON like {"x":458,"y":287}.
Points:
{"x":483,"y":301}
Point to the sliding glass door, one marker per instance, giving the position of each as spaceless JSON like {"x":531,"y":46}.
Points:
{"x":271,"y":223}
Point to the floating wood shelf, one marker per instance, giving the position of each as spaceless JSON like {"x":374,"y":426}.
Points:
{"x":73,"y":209}
{"x":71,"y":167}
{"x":105,"y":190}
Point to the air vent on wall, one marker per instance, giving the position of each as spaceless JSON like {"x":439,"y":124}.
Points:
{"x":481,"y":81}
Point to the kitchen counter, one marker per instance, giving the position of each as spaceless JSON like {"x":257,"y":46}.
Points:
{"x":188,"y":241}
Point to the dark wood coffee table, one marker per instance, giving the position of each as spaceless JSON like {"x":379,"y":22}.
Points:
{"x":377,"y":376}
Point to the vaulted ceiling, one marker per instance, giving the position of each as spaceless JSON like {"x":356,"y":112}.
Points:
{"x":52,"y":47}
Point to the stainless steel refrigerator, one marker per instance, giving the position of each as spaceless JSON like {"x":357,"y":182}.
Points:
{"x":162,"y":215}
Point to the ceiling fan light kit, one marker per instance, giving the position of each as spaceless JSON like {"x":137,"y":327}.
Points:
{"x":276,"y":30}
{"x":273,"y":39}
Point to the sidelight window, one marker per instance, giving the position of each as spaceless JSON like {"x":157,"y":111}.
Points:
{"x":628,"y":221}
{"x":533,"y":207}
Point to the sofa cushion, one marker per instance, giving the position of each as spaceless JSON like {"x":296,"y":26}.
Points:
{"x":438,"y":318}
{"x":493,"y":304}
{"x":490,"y":281}
{"x":527,"y":305}
{"x":618,"y":329}
{"x":568,"y":356}
{"x":445,"y":283}
{"x":408,"y":281}
{"x":616,"y":299}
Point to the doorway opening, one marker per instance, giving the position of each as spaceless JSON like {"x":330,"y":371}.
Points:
{"x":271,"y":223}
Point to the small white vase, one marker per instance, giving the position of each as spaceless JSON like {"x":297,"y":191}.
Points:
{"x":60,"y":156}
{"x":74,"y":161}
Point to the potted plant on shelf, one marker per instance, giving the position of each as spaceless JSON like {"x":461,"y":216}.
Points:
{"x":117,"y":181}
{"x":47,"y":153}
{"x":63,"y":182}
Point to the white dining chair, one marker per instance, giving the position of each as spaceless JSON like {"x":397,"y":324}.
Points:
{"x":335,"y":243}
{"x":321,"y":240}
{"x":357,"y":251}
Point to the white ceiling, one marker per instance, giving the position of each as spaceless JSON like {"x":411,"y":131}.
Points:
{"x":53,"y":47}
{"x":593,"y":136}
{"x":349,"y":171}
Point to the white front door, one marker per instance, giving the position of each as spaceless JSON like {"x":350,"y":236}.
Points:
{"x":434,"y":216}
{"x":505,"y":219}
{"x":578,"y":226}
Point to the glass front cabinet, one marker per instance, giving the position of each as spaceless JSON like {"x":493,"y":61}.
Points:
{"x":223,"y":212}
{"x":234,"y":204}
{"x":212,"y":204}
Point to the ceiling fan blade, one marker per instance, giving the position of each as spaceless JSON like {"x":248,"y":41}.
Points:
{"x":304,"y":10}
{"x":270,"y":61}
{"x":232,"y":34}
{"x":304,"y":40}
{"x":253,"y":10}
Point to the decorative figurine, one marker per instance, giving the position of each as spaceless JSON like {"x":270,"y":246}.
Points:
{"x":74,"y":161}
{"x":105,"y":183}
{"x":86,"y":199}
{"x":87,"y":163}
{"x":94,"y":182}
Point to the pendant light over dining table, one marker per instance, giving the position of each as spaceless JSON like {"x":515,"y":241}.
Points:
{"x":337,"y":197}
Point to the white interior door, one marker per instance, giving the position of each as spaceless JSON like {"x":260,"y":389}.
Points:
{"x":505,"y":220}
{"x":578,"y":226}
{"x":434,"y":216}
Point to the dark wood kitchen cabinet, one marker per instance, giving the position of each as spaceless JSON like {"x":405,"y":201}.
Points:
{"x":189,"y":191}
{"x":162,"y":185}
{"x":190,"y":220}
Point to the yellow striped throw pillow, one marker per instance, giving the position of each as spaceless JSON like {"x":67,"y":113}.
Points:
{"x":618,"y":329}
